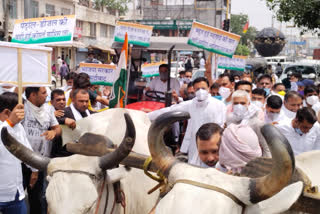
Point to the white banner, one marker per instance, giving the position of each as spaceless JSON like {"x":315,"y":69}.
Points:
{"x":100,"y":74}
{"x":237,"y":63}
{"x":213,"y":39}
{"x":34,"y":64}
{"x":137,"y":34}
{"x":52,"y":29}
{"x":151,"y":69}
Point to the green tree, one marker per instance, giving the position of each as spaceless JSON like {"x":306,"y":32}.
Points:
{"x":237,"y":24}
{"x":242,"y":50}
{"x":113,"y":5}
{"x":304,"y":13}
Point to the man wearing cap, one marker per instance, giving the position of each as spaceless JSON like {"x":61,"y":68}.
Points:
{"x":302,"y":84}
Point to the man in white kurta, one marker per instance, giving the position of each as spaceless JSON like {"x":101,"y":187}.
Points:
{"x":301,"y":132}
{"x":202,"y":109}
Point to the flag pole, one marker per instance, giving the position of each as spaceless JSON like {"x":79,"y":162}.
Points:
{"x":128,"y":75}
{"x":118,"y":101}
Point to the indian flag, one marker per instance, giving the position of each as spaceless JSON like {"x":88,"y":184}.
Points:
{"x":246,"y":27}
{"x":120,"y":79}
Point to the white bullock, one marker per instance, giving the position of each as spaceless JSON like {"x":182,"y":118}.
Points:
{"x":75,"y":182}
{"x":199,"y":190}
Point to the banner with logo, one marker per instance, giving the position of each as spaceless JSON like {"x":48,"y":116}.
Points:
{"x":137,"y":34}
{"x":53,"y":29}
{"x":237,"y":63}
{"x":151,"y":69}
{"x":213,"y":39}
{"x":100,"y":74}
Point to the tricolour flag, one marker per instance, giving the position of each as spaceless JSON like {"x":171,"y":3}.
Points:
{"x":120,"y":79}
{"x":246,"y":27}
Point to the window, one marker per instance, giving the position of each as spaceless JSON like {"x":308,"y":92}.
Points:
{"x":92,"y":29}
{"x":35,"y":9}
{"x":103,"y":30}
{"x":65,"y":11}
{"x":50,"y":9}
{"x":111,"y":31}
{"x":13,"y":9}
{"x":79,"y":24}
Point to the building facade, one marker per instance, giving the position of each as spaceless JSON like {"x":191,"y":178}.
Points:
{"x":174,"y":18}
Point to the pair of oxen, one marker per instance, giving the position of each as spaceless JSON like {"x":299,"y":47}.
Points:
{"x":84,"y":184}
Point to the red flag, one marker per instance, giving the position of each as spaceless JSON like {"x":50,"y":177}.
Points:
{"x":246,"y":27}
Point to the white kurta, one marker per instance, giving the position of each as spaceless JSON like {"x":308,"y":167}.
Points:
{"x":10,"y":166}
{"x":300,"y":143}
{"x":208,"y":111}
{"x":157,"y":85}
{"x":287,"y":113}
{"x":279,"y":118}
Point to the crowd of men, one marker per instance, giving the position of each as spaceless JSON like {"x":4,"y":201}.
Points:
{"x":227,"y":115}
{"x":222,"y":132}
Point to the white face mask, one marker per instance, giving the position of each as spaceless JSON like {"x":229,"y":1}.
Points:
{"x":202,"y":94}
{"x":239,"y":110}
{"x":224,"y":92}
{"x":273,"y":116}
{"x":312,"y":100}
{"x":289,"y":113}
{"x":257,"y":103}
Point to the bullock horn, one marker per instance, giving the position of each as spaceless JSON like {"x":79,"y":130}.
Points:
{"x":23,"y":153}
{"x":283,"y":166}
{"x":110,"y":160}
{"x":161,"y":155}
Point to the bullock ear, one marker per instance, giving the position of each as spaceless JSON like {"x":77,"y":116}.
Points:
{"x":287,"y":196}
{"x":114,"y":175}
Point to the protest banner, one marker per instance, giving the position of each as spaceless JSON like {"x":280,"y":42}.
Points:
{"x":24,"y":65}
{"x":151,"y":69}
{"x":137,"y":34}
{"x":100,"y":74}
{"x":237,"y":63}
{"x":52,"y":29}
{"x":213,"y":39}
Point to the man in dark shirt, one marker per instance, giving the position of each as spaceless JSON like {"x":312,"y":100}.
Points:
{"x":79,"y":106}
{"x":58,"y":101}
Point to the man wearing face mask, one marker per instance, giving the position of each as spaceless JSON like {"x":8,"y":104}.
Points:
{"x":202,"y":109}
{"x":279,"y":89}
{"x":301,"y":132}
{"x":226,"y":87}
{"x":265,"y":82}
{"x":273,"y":112}
{"x":258,"y":97}
{"x":159,"y":83}
{"x":311,"y":95}
{"x":244,"y":113}
{"x":292,"y":103}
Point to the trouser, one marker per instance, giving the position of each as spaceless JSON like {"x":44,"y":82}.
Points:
{"x":13,"y":207}
{"x":61,"y":79}
{"x":37,"y":194}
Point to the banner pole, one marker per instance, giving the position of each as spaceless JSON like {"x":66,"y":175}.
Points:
{"x":128,"y":75}
{"x":19,"y":76}
{"x":216,"y":66}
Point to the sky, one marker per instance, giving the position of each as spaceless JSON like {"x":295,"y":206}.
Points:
{"x":259,"y":14}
